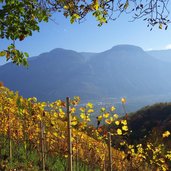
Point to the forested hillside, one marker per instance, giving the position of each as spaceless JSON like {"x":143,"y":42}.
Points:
{"x":150,"y":122}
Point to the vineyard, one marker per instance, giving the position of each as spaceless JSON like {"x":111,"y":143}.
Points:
{"x":57,"y":136}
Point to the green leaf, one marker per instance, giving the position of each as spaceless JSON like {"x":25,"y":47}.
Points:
{"x":26,"y":54}
{"x":25,"y":63}
{"x":74,"y":17}
{"x":160,"y":26}
{"x":126,"y":5}
{"x":2,"y":53}
{"x":72,"y":20}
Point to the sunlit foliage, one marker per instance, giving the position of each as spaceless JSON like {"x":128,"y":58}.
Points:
{"x":22,"y":119}
{"x":18,"y":19}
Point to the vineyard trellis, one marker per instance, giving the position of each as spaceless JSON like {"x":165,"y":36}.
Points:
{"x":58,"y":136}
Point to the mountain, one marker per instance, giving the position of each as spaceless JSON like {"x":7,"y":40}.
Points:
{"x":51,"y":75}
{"x":128,"y":70}
{"x":88,"y":55}
{"x":123,"y":70}
{"x":164,"y":55}
{"x":2,"y":61}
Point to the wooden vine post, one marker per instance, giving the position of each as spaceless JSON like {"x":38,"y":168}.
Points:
{"x":42,"y":145}
{"x":9,"y":136}
{"x":110,"y":151}
{"x":10,"y":147}
{"x":24,"y":132}
{"x":77,"y":153}
{"x":69,"y":135}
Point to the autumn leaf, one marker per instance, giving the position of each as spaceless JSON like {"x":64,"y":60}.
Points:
{"x":119,"y":131}
{"x":111,"y":118}
{"x":166,"y":134}
{"x":125,"y":128}
{"x":112,"y":108}
{"x":108,"y":121}
{"x":124,"y":122}
{"x":74,"y":121}
{"x":90,"y":111}
{"x":106,"y":115}
{"x":55,"y":134}
{"x":123,"y":100}
{"x":73,"y":110}
{"x":90,"y":105}
{"x":103,"y":109}
{"x":82,"y":109}
{"x":115,"y":116}
{"x":117,"y":122}
{"x":99,"y":118}
{"x":83,"y":116}
{"x":96,"y":4}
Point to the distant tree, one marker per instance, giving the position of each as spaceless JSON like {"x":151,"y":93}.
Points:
{"x":19,"y":18}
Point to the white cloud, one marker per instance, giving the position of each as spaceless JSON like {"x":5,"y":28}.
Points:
{"x":149,"y":49}
{"x":168,"y":46}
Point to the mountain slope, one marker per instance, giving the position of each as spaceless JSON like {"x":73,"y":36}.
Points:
{"x":51,"y":75}
{"x":164,"y":55}
{"x":128,"y":70}
{"x":2,"y":61}
{"x":124,"y":70}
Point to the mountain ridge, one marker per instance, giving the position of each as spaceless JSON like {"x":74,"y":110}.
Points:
{"x":123,"y":70}
{"x":164,"y":55}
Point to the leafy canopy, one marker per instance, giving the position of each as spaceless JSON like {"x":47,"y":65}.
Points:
{"x":19,"y":18}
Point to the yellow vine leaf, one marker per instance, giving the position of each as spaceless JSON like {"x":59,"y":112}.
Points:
{"x":117,"y":122}
{"x":83,"y":116}
{"x":90,"y":111}
{"x":119,"y":131}
{"x":73,"y":110}
{"x":82,"y":109}
{"x":108,"y":121}
{"x":99,"y":118}
{"x":112,"y":108}
{"x":55,"y":134}
{"x":124,"y":128}
{"x":66,"y":156}
{"x":106,"y":115}
{"x":166,"y":134}
{"x":74,"y":121}
{"x":111,"y":118}
{"x":123,"y":100}
{"x":103,"y":109}
{"x":124,"y":122}
{"x":122,"y":143}
{"x":90,"y":105}
{"x":115,"y":116}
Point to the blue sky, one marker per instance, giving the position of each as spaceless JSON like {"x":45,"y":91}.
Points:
{"x":88,"y":37}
